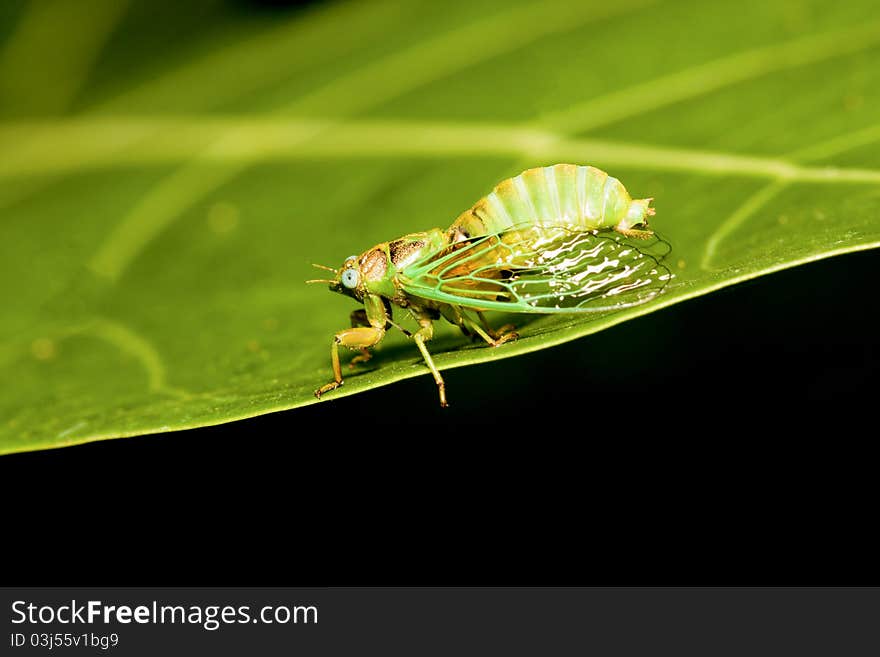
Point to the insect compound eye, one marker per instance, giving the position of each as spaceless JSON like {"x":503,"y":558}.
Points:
{"x":350,"y":278}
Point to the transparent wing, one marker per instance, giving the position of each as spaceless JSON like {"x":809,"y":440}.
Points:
{"x":540,"y":269}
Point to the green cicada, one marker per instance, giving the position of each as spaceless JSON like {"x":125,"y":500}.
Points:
{"x":550,"y":240}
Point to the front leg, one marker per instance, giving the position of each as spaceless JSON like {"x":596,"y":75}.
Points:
{"x":353,"y":338}
{"x":373,"y":319}
{"x":359,"y":318}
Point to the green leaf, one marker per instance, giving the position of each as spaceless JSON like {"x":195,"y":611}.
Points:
{"x":170,"y":174}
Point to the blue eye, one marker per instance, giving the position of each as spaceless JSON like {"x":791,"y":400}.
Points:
{"x":350,"y":278}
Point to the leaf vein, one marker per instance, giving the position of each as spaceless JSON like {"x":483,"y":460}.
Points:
{"x":706,"y":78}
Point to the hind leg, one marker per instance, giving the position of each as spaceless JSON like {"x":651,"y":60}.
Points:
{"x":494,"y":338}
{"x":453,"y":315}
{"x":501,"y":335}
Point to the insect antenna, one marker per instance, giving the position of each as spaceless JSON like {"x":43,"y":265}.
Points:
{"x":326,"y":268}
{"x":320,"y":280}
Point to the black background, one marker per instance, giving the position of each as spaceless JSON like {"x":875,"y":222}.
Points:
{"x":724,"y":440}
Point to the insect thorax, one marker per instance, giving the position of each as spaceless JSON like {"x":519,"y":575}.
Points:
{"x":380,"y":265}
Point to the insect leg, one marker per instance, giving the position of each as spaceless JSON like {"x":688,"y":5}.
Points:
{"x":425,"y":333}
{"x":633,"y":232}
{"x":357,"y":337}
{"x":503,"y":332}
{"x":454,"y":315}
{"x":353,"y":338}
{"x":502,"y":336}
{"x":359,"y":318}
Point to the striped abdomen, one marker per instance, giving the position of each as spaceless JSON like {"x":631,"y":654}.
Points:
{"x":583,"y":198}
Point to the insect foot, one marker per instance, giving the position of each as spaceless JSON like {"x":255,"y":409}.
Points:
{"x":327,"y":388}
{"x":509,"y":336}
{"x":441,"y":387}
